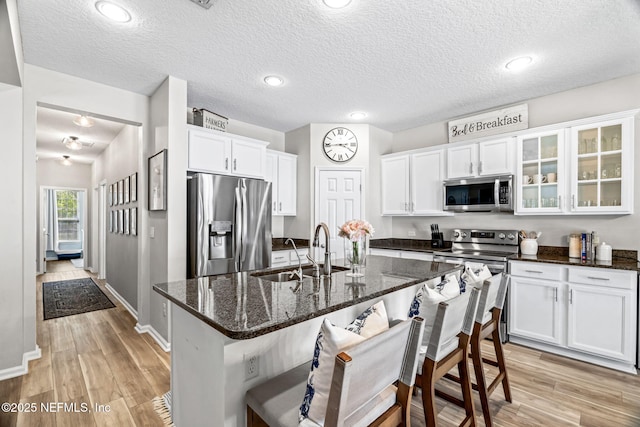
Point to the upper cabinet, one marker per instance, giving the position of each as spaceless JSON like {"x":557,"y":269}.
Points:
{"x":412,"y":183}
{"x":219,"y":152}
{"x":602,"y":167}
{"x":584,"y":169}
{"x":281,"y":171}
{"x":494,"y":157}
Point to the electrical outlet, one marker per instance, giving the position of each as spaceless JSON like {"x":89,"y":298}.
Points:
{"x":164,"y":309}
{"x":412,"y":233}
{"x":251,"y":366}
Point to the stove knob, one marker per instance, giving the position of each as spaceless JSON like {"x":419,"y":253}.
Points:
{"x":456,"y":234}
{"x":511,"y":236}
{"x":501,"y":236}
{"x":464,"y":234}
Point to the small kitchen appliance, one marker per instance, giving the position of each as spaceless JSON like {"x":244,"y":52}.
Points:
{"x":483,"y":194}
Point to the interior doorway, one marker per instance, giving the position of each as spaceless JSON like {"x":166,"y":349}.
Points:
{"x":338,"y":198}
{"x":63,"y":219}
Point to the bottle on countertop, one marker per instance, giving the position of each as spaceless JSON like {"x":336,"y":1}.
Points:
{"x":595,"y":241}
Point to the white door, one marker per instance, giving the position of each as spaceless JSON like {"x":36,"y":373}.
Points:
{"x":427,"y":173}
{"x":339,"y":199}
{"x":249,"y":158}
{"x":209,"y":152}
{"x":102,"y":231}
{"x":287,"y":185}
{"x":44,"y":230}
{"x":496,"y":157}
{"x":395,"y":185}
{"x":535,"y":310}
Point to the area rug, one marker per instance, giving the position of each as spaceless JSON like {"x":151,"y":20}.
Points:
{"x":162,"y":406}
{"x":69,"y":297}
{"x":77,"y":262}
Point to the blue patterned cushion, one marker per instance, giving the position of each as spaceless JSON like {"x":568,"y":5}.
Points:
{"x":426,"y":300}
{"x":332,"y":340}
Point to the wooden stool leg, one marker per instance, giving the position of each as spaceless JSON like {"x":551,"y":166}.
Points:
{"x":502,"y":366}
{"x":429,"y":393}
{"x":467,"y":395}
{"x":476,"y":355}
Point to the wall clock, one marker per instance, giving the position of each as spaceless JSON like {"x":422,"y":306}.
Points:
{"x":340,"y":144}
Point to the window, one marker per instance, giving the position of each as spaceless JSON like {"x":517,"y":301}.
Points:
{"x":68,"y":215}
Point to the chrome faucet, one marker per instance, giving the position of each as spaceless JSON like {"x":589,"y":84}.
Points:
{"x":327,"y":252}
{"x":297,"y":272}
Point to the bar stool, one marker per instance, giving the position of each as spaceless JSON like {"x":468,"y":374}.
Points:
{"x":448,"y":347}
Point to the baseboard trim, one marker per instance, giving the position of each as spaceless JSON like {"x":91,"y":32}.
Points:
{"x":148,"y":329}
{"x":123,"y":301}
{"x":23,"y":369}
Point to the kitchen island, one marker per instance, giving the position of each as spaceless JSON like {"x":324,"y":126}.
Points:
{"x":220,"y":322}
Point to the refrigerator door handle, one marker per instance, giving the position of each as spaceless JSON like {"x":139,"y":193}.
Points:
{"x":238,"y":229}
{"x":245,"y":220}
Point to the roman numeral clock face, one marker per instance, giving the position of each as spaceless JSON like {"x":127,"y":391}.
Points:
{"x":340,"y":145}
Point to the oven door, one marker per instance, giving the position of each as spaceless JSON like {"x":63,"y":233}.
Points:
{"x":495,"y":267}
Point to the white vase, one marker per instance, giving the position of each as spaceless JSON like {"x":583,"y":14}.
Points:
{"x":529,"y":247}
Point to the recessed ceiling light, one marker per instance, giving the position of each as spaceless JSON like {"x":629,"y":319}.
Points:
{"x":336,"y":4}
{"x":113,"y":11}
{"x":274,"y":80}
{"x":358,"y":115}
{"x":84,"y":121}
{"x":519,"y":63}
{"x":66,"y":161}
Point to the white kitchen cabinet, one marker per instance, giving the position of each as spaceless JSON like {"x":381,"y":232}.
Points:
{"x":281,"y":171}
{"x":393,"y":253}
{"x":286,"y":258}
{"x":602,"y":167}
{"x":582,"y":312}
{"x":494,"y":157}
{"x":412,"y":183}
{"x":541,"y":177}
{"x":217,"y":152}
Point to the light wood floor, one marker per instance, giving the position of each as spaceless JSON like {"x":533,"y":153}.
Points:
{"x":97,"y":357}
{"x":92,"y":358}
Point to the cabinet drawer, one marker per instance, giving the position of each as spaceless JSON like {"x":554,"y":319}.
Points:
{"x":280,"y":258}
{"x":384,"y":252}
{"x":303,"y":256}
{"x":537,"y":270}
{"x":603,"y":277}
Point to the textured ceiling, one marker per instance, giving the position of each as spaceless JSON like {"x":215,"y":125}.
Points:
{"x":406,"y":63}
{"x":54,"y":125}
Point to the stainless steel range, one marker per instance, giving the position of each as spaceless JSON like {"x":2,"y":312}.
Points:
{"x":491,"y":247}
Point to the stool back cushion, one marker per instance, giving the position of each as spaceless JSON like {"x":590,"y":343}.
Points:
{"x":332,"y":340}
{"x":475,"y":273}
{"x":425,"y":303}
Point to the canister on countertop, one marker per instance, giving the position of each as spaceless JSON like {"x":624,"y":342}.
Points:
{"x":604,"y":252}
{"x":575,"y":245}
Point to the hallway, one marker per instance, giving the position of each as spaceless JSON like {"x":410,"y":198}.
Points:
{"x":94,"y":358}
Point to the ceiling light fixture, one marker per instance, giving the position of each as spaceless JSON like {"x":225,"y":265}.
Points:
{"x":274,"y":81}
{"x":84,"y":121}
{"x":519,"y":63}
{"x":358,"y":115}
{"x":113,"y":11}
{"x":336,"y":4}
{"x":72,"y":143}
{"x":66,"y":161}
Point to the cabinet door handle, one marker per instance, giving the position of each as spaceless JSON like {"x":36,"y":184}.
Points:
{"x":598,"y":278}
{"x":226,"y":163}
{"x":235,"y":164}
{"x":570,"y":296}
{"x":534,"y":271}
{"x":274,"y":206}
{"x":560,"y":202}
{"x":406,"y":206}
{"x":278,"y":258}
{"x":479,"y":168}
{"x":555,"y":294}
{"x":573,"y":201}
{"x":471,"y":168}
{"x":280,"y":204}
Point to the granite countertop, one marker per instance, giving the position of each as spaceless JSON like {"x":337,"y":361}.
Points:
{"x":415,"y":245}
{"x":277,"y":244}
{"x":243,"y":306}
{"x":621,"y":259}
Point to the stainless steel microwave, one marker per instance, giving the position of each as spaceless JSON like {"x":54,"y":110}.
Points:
{"x":482,"y":194}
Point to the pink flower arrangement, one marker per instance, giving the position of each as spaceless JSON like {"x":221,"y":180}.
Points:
{"x":355,"y":229}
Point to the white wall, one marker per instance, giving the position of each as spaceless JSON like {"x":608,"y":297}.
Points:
{"x":118,"y":161}
{"x":13,"y":341}
{"x":607,"y":97}
{"x":52,"y":173}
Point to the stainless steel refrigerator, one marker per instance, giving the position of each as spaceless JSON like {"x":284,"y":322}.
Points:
{"x":229,"y":224}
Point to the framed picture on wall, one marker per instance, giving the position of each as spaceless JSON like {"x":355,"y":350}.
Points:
{"x":110,"y":221}
{"x":120,"y":192}
{"x":126,"y":190}
{"x":126,"y":221}
{"x":134,"y":221}
{"x":120,"y":221}
{"x":134,"y":187}
{"x":158,"y":181}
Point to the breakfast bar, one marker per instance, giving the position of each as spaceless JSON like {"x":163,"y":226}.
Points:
{"x":231,"y":332}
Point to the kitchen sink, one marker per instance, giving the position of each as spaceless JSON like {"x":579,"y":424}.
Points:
{"x":285,"y":276}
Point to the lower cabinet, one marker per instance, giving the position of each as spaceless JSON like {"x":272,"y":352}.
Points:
{"x":288,"y":257}
{"x":393,"y":253}
{"x":582,"y":312}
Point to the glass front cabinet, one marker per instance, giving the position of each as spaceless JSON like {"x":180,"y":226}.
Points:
{"x":585,"y":169}
{"x":541,"y":173}
{"x":602,"y":167}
